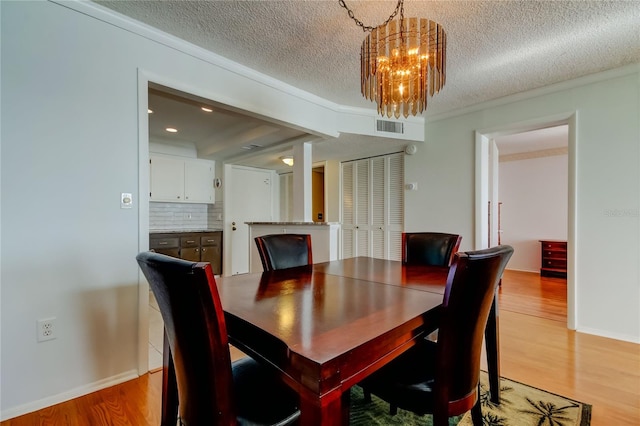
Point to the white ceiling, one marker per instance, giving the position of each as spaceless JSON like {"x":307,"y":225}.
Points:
{"x":538,"y":140}
{"x":494,"y":48}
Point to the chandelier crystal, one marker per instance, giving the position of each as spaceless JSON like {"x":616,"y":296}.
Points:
{"x":403,"y":63}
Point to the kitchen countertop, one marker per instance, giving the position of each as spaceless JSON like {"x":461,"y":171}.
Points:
{"x":184,"y":231}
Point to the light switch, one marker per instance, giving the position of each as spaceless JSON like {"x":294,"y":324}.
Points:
{"x":126,"y":201}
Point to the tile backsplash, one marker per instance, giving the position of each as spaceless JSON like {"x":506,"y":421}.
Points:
{"x":184,"y":216}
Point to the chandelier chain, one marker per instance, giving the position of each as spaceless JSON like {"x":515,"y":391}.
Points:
{"x":399,"y":7}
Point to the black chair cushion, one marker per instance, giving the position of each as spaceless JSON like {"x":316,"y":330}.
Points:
{"x":260,"y":401}
{"x":408,"y":380}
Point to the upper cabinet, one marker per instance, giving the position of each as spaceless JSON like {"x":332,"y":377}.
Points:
{"x":182,"y":180}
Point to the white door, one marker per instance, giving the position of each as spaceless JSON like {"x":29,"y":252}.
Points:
{"x":250,"y":198}
{"x":373,"y":207}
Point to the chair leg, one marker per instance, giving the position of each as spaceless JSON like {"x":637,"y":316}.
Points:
{"x":476,"y":414}
{"x":441,"y":419}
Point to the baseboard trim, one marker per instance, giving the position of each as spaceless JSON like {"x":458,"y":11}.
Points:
{"x":536,"y":271}
{"x":68,"y":395}
{"x":609,"y":335}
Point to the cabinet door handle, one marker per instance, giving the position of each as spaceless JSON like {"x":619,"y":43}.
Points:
{"x":190,"y":241}
{"x":204,"y":249}
{"x":163,"y":243}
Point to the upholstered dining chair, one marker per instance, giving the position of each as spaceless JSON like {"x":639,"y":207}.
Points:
{"x":429,"y":248}
{"x":442,"y":378}
{"x":281,"y":251}
{"x":211,"y":390}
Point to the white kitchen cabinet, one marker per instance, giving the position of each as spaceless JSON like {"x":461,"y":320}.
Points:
{"x":182,"y":180}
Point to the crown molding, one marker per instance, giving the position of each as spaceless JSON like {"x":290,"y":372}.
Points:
{"x":552,"y":88}
{"x":128,"y":24}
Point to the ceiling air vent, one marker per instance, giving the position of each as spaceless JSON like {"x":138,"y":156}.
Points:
{"x":251,"y":146}
{"x":389,"y":126}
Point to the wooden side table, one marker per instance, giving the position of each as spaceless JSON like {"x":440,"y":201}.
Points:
{"x":554,"y":258}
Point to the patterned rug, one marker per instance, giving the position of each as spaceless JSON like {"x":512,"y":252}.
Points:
{"x":521,"y":405}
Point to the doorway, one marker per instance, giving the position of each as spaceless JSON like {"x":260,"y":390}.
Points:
{"x":249,"y":199}
{"x":264,"y":133}
{"x":487,"y":189}
{"x":532,"y":193}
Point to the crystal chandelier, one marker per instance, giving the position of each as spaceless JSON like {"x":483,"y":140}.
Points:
{"x":402,"y":62}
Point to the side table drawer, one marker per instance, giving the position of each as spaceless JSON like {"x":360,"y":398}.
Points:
{"x":555,"y":263}
{"x":554,"y":245}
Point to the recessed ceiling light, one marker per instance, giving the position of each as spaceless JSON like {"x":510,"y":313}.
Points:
{"x":205,"y":109}
{"x":150,"y":111}
{"x":171,"y":130}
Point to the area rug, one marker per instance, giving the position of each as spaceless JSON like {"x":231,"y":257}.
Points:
{"x":521,"y":405}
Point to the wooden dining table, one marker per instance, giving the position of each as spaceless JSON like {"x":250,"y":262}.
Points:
{"x":327,"y":326}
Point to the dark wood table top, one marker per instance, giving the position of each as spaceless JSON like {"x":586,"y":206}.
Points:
{"x":324,"y":328}
{"x":392,"y":272}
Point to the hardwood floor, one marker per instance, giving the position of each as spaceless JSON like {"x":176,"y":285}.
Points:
{"x":536,"y":349}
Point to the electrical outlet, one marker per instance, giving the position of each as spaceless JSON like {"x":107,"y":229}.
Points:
{"x":46,"y":329}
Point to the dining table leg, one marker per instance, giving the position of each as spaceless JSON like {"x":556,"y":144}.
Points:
{"x":492,"y":342}
{"x":327,"y":410}
{"x":169,"y":413}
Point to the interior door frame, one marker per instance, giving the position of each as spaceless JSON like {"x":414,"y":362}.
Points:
{"x":484,"y":185}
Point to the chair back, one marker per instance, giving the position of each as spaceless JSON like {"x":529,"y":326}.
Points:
{"x":281,"y":251}
{"x":469,"y":293}
{"x":195,"y":328}
{"x":429,"y":248}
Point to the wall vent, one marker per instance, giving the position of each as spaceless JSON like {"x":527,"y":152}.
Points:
{"x":251,"y":146}
{"x":389,"y":126}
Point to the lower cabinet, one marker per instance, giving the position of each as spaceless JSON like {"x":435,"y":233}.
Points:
{"x":191,"y":246}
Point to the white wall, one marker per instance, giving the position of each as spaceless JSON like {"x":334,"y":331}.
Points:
{"x":70,"y":128}
{"x":534,"y":198}
{"x":607,"y":157}
{"x":70,"y":147}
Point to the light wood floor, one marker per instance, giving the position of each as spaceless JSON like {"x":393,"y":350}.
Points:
{"x":536,"y":348}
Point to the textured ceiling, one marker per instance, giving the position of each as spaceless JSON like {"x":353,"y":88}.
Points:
{"x":494,"y":48}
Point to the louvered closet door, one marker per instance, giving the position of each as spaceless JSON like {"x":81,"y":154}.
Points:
{"x":379,"y":190}
{"x":363,"y":202}
{"x":373,"y":207}
{"x":395,"y":207}
{"x":348,"y":219}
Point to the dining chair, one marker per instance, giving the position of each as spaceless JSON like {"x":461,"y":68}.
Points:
{"x":429,"y":248}
{"x":281,"y":251}
{"x":442,"y":378}
{"x":211,"y":389}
